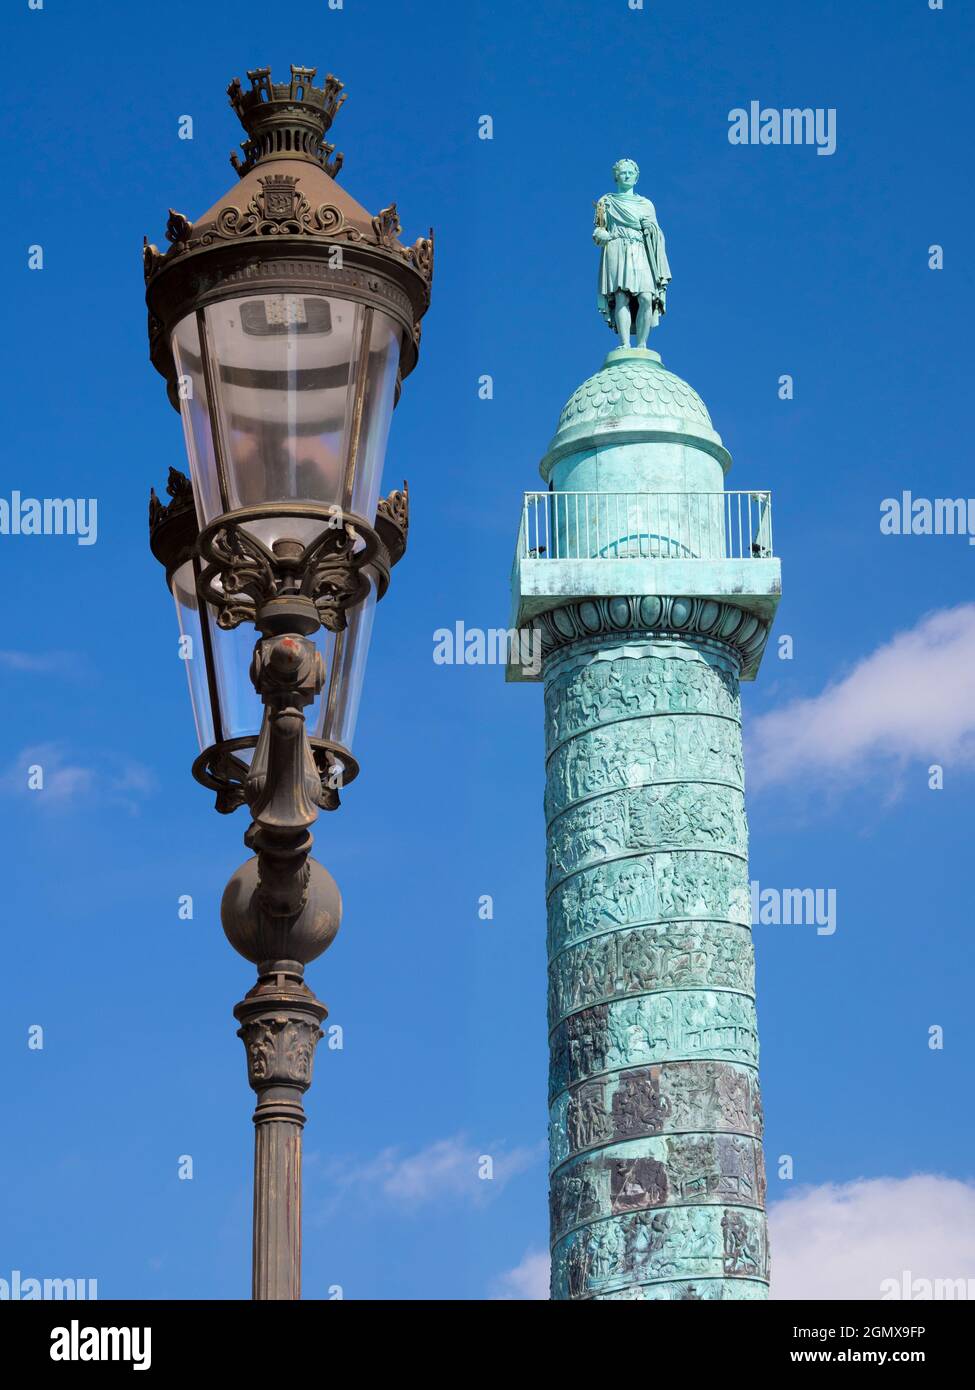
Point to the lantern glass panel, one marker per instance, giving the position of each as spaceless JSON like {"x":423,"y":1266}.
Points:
{"x":332,"y":715}
{"x":241,"y":709}
{"x":194,"y":409}
{"x":299,"y":393}
{"x":194,"y":651}
{"x":337,"y":711}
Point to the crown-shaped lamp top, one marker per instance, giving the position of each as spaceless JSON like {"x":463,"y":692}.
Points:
{"x":286,"y":120}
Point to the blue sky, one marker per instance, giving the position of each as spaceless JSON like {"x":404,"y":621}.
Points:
{"x":784,"y":262}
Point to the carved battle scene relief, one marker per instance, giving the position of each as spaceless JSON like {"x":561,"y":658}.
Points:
{"x":651,"y":679}
{"x":656,"y":1118}
{"x":678,"y":814}
{"x":683,"y":1243}
{"x":689,"y":1290}
{"x":645,"y":1102}
{"x":637,"y":961}
{"x":711,"y":1024}
{"x":641,"y":751}
{"x":648,"y":888}
{"x":659,"y":1172}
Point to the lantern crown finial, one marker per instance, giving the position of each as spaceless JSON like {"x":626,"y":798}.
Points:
{"x":286,"y":120}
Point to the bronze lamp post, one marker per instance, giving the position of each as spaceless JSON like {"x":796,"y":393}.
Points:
{"x":284,"y":321}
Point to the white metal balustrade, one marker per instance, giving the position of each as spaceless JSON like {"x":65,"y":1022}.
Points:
{"x":646,"y":525}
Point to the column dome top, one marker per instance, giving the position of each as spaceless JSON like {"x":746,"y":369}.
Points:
{"x":633,"y":398}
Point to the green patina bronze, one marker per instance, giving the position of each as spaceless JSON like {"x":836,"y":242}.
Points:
{"x":657,"y":1177}
{"x":633,"y":269}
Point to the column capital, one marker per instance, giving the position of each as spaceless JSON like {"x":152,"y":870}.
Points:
{"x":280,"y":1028}
{"x":649,"y":616}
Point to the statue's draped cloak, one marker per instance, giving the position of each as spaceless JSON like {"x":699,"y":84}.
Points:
{"x":634,"y":261}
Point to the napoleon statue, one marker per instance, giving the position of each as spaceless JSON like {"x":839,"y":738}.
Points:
{"x":633,"y":269}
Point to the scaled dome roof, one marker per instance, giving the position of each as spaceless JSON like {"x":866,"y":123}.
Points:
{"x":633,"y":398}
{"x":633,"y":387}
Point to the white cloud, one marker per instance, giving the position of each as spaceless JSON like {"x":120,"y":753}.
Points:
{"x":913,"y":697}
{"x":528,"y":1280}
{"x":32,"y":662}
{"x":447,"y":1168}
{"x":842,"y":1241}
{"x":64,"y":781}
{"x":38,"y":663}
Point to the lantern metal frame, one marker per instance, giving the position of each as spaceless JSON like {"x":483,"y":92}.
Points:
{"x":175,"y":538}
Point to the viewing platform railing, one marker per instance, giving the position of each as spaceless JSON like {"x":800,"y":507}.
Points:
{"x":646,"y":525}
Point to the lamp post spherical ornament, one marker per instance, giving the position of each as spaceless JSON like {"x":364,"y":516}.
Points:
{"x":284,"y":321}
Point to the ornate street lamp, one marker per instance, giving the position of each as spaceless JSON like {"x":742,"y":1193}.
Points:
{"x":284,"y":321}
